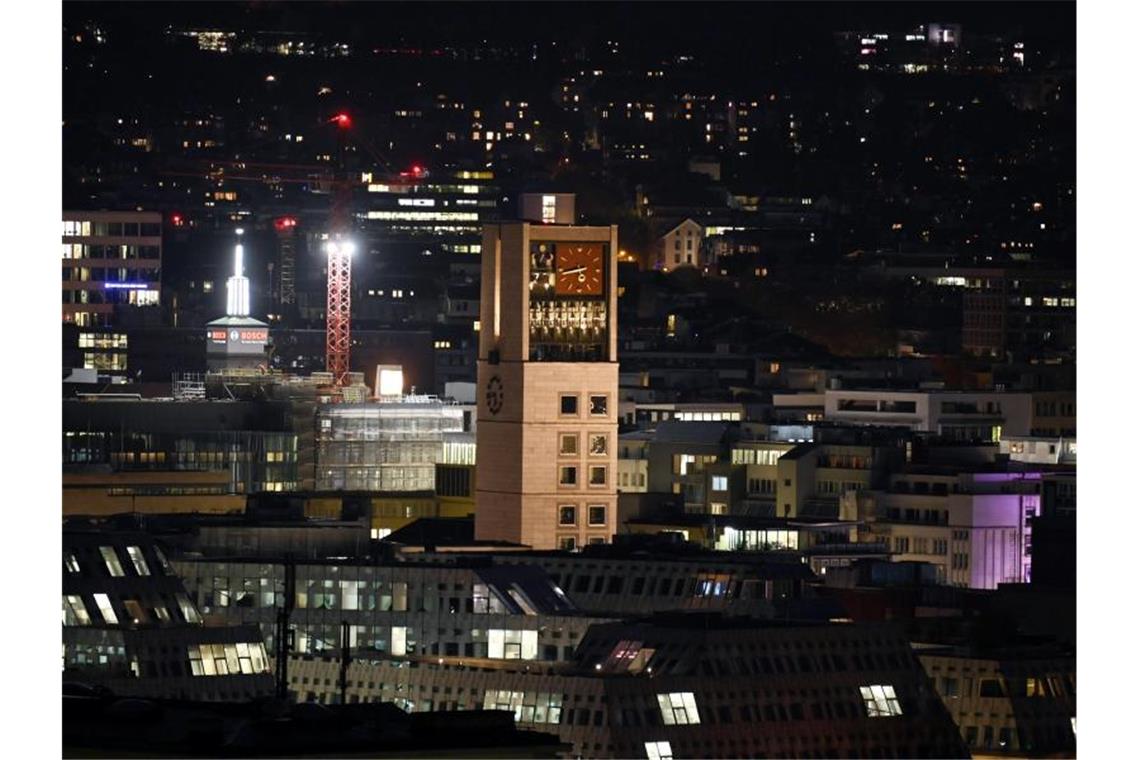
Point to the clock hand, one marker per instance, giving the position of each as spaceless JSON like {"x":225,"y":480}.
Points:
{"x":576,"y":270}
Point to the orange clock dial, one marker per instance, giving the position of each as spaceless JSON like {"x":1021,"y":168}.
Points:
{"x":578,"y":269}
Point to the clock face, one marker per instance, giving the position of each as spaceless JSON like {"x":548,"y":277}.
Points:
{"x":578,"y":269}
{"x":494,"y":395}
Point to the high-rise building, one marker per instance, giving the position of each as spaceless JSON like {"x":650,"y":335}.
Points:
{"x":109,"y":258}
{"x":547,"y":385}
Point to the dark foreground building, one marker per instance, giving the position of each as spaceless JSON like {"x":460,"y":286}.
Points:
{"x":687,"y":685}
{"x":99,"y":724}
{"x":129,"y":626}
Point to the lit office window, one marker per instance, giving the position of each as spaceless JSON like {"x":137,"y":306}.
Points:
{"x":137,"y":559}
{"x":143,"y":297}
{"x":103,"y":602}
{"x":74,"y":613}
{"x":540,"y":707}
{"x":678,"y":708}
{"x":496,"y":699}
{"x":658,"y":751}
{"x":511,"y":645}
{"x":72,"y":563}
{"x":351,"y":594}
{"x":399,"y":640}
{"x":112,"y":561}
{"x":880,"y":701}
{"x":485,"y":601}
{"x":720,"y":483}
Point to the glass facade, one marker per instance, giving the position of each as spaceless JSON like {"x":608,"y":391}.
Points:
{"x":387,"y":447}
{"x":257,"y":461}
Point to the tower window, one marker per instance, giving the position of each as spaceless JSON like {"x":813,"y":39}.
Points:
{"x":598,"y":405}
{"x":598,"y":445}
{"x":568,"y":476}
{"x":597,"y":475}
{"x":569,"y":403}
{"x":597,"y":514}
{"x":568,"y":514}
{"x":567,"y":444}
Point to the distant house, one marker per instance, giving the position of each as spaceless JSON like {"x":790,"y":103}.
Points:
{"x":680,"y":246}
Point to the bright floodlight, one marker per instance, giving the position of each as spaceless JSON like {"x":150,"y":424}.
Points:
{"x":340,"y":247}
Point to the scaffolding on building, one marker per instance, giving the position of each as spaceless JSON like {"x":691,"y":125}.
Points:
{"x":188,"y":386}
{"x":384,"y":447}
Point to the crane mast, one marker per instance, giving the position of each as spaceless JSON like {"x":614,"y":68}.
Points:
{"x":339,"y":249}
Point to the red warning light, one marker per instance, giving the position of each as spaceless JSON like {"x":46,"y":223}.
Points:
{"x":284,"y":223}
{"x":176,"y":220}
{"x":343,"y":120}
{"x":418,"y":170}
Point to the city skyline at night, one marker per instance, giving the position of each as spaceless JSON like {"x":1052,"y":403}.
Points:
{"x":569,"y":379}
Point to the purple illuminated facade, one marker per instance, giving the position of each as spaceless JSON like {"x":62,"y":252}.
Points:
{"x":975,"y":528}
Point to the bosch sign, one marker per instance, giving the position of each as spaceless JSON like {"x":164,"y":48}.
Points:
{"x":237,"y":340}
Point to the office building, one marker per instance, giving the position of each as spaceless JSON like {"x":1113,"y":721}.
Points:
{"x":128,"y":625}
{"x":547,"y":208}
{"x":452,"y":610}
{"x":1009,"y":702}
{"x":548,"y":381}
{"x":1019,"y":312}
{"x":112,"y":261}
{"x":387,"y":446}
{"x":974,"y":527}
{"x":256,"y":443}
{"x":687,"y":685}
{"x":956,"y":415}
{"x":102,"y":491}
{"x":643,"y":575}
{"x":441,"y":213}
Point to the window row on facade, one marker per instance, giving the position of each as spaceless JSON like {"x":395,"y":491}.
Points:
{"x":596,"y":405}
{"x":569,"y":476}
{"x":72,"y":228}
{"x":597,"y":444}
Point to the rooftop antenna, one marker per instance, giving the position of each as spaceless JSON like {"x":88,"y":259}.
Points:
{"x":237,"y":287}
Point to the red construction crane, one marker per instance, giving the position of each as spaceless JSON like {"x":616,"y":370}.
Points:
{"x":339,"y":245}
{"x":339,"y":248}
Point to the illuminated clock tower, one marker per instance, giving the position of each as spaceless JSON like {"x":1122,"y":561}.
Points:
{"x":548,"y":380}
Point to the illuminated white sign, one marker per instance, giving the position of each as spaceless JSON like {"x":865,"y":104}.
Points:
{"x":389,"y":380}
